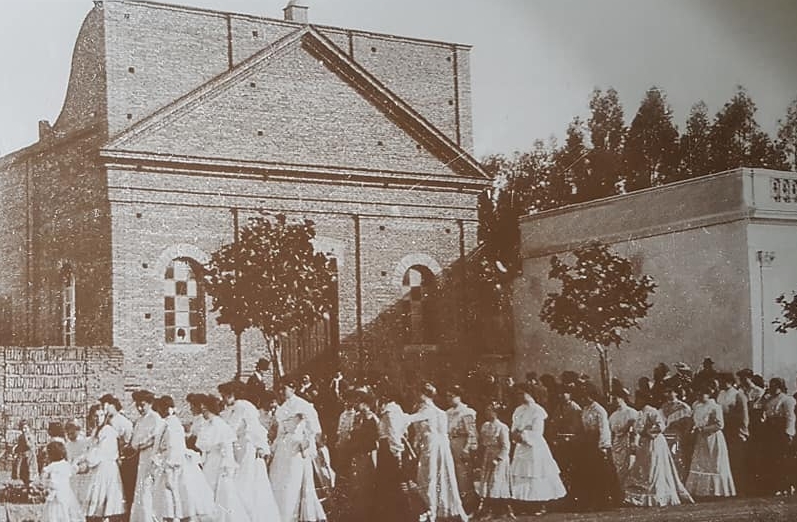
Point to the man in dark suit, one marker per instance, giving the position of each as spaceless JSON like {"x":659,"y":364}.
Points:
{"x":256,"y":384}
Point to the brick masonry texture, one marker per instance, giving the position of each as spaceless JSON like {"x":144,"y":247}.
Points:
{"x":49,"y":384}
{"x":118,"y":222}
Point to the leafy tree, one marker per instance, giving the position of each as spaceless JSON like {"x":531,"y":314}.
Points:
{"x":570,"y":167}
{"x":787,"y":137}
{"x":605,"y":161}
{"x":736,"y":139}
{"x":271,"y":279}
{"x":788,"y":320}
{"x":651,"y":147}
{"x":695,"y":143}
{"x":600,"y":297}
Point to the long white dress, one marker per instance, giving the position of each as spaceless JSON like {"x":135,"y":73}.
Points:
{"x":104,"y":495}
{"x":292,"y":466}
{"x":710,"y":469}
{"x":75,"y":451}
{"x":215,"y":439}
{"x":437,"y":477}
{"x":147,"y":430}
{"x":180,"y":489}
{"x":535,"y":474}
{"x":251,"y":476}
{"x":61,"y":505}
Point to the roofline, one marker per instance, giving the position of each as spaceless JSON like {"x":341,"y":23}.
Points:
{"x":150,"y":161}
{"x":246,"y":16}
{"x":662,"y":188}
{"x":57,"y":142}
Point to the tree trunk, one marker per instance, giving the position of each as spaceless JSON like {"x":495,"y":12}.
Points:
{"x":274,"y":354}
{"x":606,"y":369}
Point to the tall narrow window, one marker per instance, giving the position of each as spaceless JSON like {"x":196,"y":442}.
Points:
{"x":184,"y":303}
{"x":68,"y":307}
{"x":419,"y":286}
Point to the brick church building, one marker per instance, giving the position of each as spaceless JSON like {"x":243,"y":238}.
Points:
{"x":178,"y":124}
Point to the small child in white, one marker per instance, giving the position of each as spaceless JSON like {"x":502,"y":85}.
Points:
{"x":61,"y":504}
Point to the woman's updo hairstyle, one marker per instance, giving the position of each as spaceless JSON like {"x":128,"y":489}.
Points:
{"x":428,"y":390}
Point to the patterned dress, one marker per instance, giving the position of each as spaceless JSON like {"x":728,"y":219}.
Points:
{"x":621,"y":423}
{"x":678,"y":418}
{"x":496,"y":474}
{"x":437,"y":478}
{"x":464,"y":443}
{"x":710,"y":470}
{"x":653,"y":479}
{"x":535,"y":474}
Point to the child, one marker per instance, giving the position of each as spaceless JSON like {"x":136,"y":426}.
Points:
{"x":494,"y":441}
{"x":61,"y":504}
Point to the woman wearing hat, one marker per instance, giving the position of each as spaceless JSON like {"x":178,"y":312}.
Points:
{"x":710,"y":468}
{"x":621,"y":424}
{"x":535,"y":474}
{"x":777,"y":433}
{"x":653,"y":479}
{"x":436,"y":477}
{"x":146,"y":431}
{"x":292,"y":466}
{"x":251,"y":477}
{"x":678,"y":421}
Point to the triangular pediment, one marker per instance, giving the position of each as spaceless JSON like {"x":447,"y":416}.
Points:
{"x":300,"y":102}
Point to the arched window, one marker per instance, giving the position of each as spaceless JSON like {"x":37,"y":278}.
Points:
{"x":68,"y":314}
{"x":183,"y":303}
{"x":419,"y":289}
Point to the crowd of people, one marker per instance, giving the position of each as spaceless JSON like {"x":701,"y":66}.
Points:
{"x":348,"y":451}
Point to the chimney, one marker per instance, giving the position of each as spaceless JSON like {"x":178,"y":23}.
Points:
{"x":295,"y":12}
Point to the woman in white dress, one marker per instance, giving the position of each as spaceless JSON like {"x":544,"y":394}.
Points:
{"x":77,"y":444}
{"x":180,"y":490}
{"x":146,"y":431}
{"x":215,"y":440}
{"x":61,"y":505}
{"x":251,"y":476}
{"x":535,"y":473}
{"x":292,"y":466}
{"x":437,"y":478}
{"x":104,"y":495}
{"x":710,"y":469}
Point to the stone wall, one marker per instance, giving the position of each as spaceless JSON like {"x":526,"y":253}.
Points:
{"x":48,"y":384}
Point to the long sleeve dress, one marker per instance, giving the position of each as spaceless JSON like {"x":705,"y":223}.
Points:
{"x":621,"y":423}
{"x":251,"y":476}
{"x":496,"y":475}
{"x":776,"y":466}
{"x":75,"y":451}
{"x":180,"y":489}
{"x":535,"y":474}
{"x":678,"y":425}
{"x":104,"y":495}
{"x":292,"y":466}
{"x":215,"y":440}
{"x":61,"y":505}
{"x":437,"y":478}
{"x":653,"y":478}
{"x":360,"y":480}
{"x":710,"y":469}
{"x":464,"y":442}
{"x":146,"y":431}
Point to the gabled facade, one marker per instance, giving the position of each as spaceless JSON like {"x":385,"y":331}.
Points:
{"x":180,"y":123}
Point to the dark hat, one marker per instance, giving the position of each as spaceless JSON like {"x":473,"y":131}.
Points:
{"x":263,"y":364}
{"x":143,"y":396}
{"x":745,"y":373}
{"x":708,"y":360}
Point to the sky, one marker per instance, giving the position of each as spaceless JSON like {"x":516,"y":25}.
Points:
{"x":534,"y":62}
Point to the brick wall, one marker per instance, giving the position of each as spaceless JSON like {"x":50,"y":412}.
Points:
{"x":193,"y":46}
{"x":49,"y":384}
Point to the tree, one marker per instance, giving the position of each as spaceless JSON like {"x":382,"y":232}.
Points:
{"x":736,"y":139}
{"x":570,"y":164}
{"x":787,"y":137}
{"x":788,"y":320}
{"x":271,"y":279}
{"x":605,"y":160}
{"x":651,"y":147}
{"x":694,"y":144}
{"x":600,"y":297}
